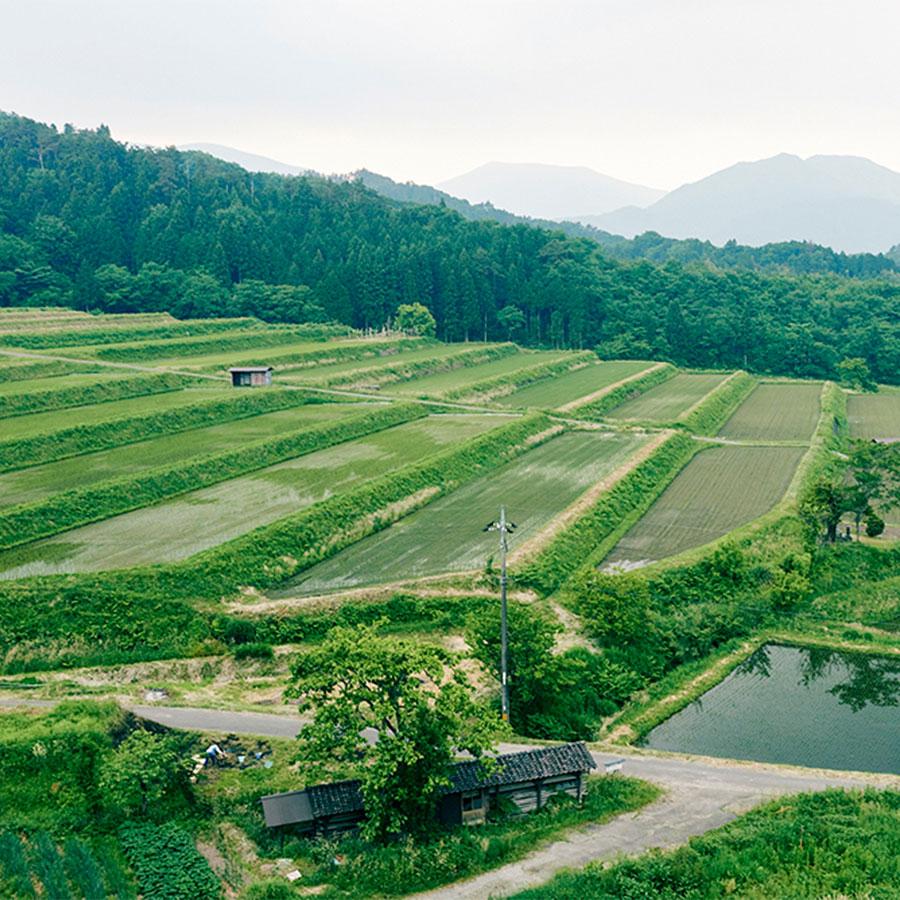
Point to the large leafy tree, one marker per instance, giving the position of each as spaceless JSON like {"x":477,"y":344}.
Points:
{"x":139,"y":772}
{"x":411,"y":698}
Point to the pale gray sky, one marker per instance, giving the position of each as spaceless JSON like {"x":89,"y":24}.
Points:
{"x":654,"y":91}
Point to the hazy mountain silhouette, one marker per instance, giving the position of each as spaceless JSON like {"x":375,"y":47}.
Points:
{"x":845,"y":202}
{"x":249,"y":161}
{"x":547,"y":192}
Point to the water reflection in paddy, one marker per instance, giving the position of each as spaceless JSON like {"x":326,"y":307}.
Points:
{"x":807,"y":706}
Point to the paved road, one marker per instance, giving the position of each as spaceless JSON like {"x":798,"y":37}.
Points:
{"x":700,"y":795}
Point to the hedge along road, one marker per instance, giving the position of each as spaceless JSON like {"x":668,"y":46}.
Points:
{"x":195,"y":521}
{"x":700,"y":795}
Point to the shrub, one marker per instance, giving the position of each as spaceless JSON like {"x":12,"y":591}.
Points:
{"x":269,"y":889}
{"x":874,"y":524}
{"x":254,"y":650}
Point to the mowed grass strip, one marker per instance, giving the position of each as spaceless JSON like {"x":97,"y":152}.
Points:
{"x":441,"y":383}
{"x":37,"y":482}
{"x":179,"y":528}
{"x":43,"y":423}
{"x":776,"y":412}
{"x":447,"y":536}
{"x":875,"y":415}
{"x":556,"y":391}
{"x":667,"y":401}
{"x":718,"y":490}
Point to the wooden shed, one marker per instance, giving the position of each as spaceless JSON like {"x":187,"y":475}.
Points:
{"x":251,"y":376}
{"x":522,"y":782}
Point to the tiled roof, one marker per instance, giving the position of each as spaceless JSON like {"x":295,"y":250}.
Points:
{"x":543,"y":762}
{"x":335,"y":798}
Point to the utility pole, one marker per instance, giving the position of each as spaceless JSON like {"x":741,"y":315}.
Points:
{"x":505,"y":528}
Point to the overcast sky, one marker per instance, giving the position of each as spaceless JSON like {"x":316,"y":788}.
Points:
{"x":653,"y":91}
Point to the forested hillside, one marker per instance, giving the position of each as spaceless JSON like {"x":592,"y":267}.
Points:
{"x":89,"y":222}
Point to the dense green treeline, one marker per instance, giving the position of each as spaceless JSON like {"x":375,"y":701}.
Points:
{"x":89,"y":222}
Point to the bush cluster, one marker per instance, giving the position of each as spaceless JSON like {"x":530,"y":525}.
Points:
{"x":101,"y":392}
{"x":501,"y":385}
{"x":68,"y":509}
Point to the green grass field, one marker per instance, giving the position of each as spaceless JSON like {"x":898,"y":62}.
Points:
{"x":718,"y":490}
{"x":442,"y":382}
{"x":38,"y":482}
{"x":42,"y":423}
{"x":553,"y":392}
{"x":776,"y":412}
{"x":61,"y":382}
{"x":446,"y":535}
{"x":667,"y":401}
{"x":875,"y":415}
{"x":201,"y":519}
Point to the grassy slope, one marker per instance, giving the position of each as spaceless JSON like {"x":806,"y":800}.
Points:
{"x":446,"y":536}
{"x":42,"y":423}
{"x":555,"y":392}
{"x":665,"y":402}
{"x":202,"y":519}
{"x":719,"y":489}
{"x":776,"y":412}
{"x":28,"y":485}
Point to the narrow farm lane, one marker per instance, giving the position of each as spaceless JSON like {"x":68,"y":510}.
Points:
{"x":699,"y":795}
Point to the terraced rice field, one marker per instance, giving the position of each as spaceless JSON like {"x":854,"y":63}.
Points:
{"x":561,"y":389}
{"x":42,"y":423}
{"x":443,"y":382}
{"x":782,"y":411}
{"x":446,"y":535}
{"x":38,"y":482}
{"x":328,"y":371}
{"x":201,"y":519}
{"x":875,"y":415}
{"x":667,"y":401}
{"x":717,"y":491}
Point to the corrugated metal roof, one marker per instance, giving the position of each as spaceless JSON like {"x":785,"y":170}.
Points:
{"x":287,"y":809}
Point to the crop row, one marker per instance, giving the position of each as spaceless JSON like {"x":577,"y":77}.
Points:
{"x":39,"y":340}
{"x":629,"y":389}
{"x":70,"y":509}
{"x":82,"y":439}
{"x":332,"y":353}
{"x":589,"y":537}
{"x":379,"y":376}
{"x":713,"y":411}
{"x":100,"y":392}
{"x":501,"y":385}
{"x":167,"y":864}
{"x":259,"y":337}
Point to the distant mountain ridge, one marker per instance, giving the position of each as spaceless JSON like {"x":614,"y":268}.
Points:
{"x":543,"y":191}
{"x":249,"y":161}
{"x":847,"y":203}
